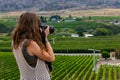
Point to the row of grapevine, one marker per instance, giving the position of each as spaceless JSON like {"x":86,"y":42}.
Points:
{"x":98,"y":76}
{"x":68,"y":66}
{"x":9,"y":68}
{"x":108,"y":72}
{"x":65,"y":68}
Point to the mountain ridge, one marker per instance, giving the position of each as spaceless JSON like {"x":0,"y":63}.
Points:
{"x":49,"y":5}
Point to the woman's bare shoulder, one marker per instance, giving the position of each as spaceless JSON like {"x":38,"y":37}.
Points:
{"x":33,"y":44}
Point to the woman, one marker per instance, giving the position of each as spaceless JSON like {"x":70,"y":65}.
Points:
{"x":29,"y":51}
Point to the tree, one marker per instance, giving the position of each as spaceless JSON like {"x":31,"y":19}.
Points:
{"x":70,"y":16}
{"x":78,"y":19}
{"x":89,"y":17}
{"x":56,"y":17}
{"x":101,"y":31}
{"x":105,"y":54}
{"x":43,"y":19}
{"x":80,"y":30}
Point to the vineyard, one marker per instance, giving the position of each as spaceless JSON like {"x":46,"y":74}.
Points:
{"x":63,"y":44}
{"x":65,"y":68}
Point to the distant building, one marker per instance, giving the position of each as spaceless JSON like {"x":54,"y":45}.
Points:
{"x":88,"y":35}
{"x":74,"y":35}
{"x":70,"y":20}
{"x":116,"y":22}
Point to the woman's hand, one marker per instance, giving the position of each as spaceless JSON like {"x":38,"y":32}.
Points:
{"x":47,"y":31}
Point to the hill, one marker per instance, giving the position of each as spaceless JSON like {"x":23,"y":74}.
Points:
{"x":48,"y":5}
{"x":73,"y":12}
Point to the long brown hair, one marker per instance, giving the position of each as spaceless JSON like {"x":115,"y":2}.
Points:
{"x":27,"y":27}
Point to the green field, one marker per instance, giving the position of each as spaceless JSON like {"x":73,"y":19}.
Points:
{"x":9,"y":23}
{"x":106,"y":42}
{"x":69,"y":44}
{"x":65,"y":68}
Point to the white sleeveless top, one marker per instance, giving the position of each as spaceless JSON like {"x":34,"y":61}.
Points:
{"x":40,"y":72}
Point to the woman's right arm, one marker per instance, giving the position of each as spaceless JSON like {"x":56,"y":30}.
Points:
{"x":47,"y":55}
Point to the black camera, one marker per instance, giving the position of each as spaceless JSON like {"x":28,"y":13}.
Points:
{"x":51,"y":28}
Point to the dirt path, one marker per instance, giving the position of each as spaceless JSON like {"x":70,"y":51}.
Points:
{"x":108,"y":62}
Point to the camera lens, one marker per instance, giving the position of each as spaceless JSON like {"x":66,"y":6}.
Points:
{"x":51,"y":29}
